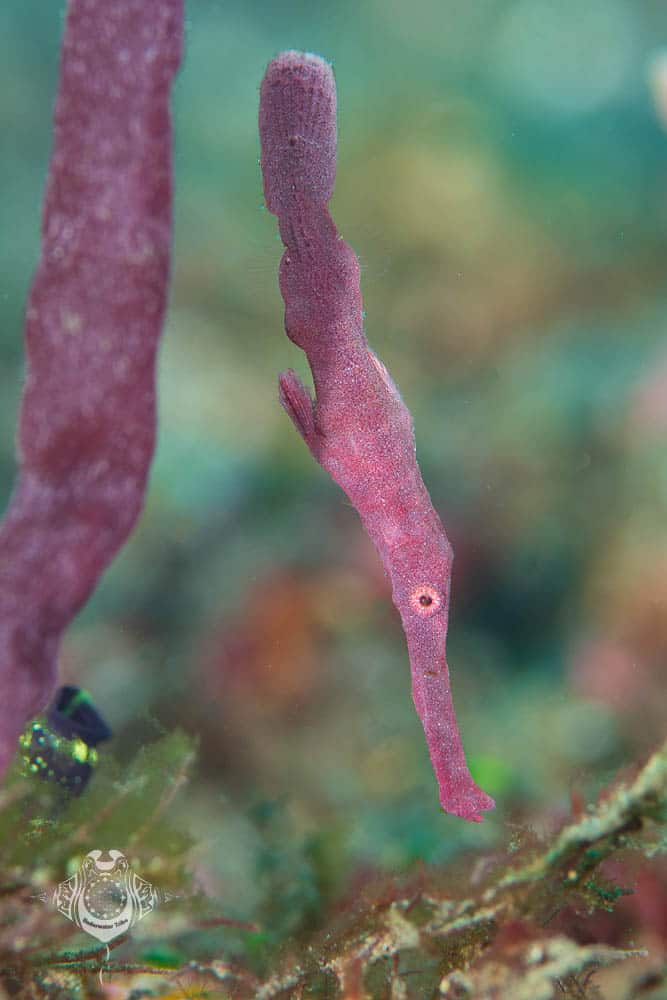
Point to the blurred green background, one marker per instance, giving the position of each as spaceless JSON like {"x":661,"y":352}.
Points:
{"x":503,"y":178}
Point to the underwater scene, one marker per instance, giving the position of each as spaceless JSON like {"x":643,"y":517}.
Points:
{"x":333,"y":467}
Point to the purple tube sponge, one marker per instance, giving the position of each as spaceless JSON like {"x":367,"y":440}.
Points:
{"x":358,"y":428}
{"x":87,"y":423}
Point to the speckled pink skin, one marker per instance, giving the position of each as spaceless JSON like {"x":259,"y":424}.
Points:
{"x":358,"y":428}
{"x":95,"y":311}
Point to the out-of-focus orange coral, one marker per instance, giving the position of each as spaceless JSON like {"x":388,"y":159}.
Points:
{"x":647,"y":414}
{"x":611,"y":673}
{"x":270,"y":652}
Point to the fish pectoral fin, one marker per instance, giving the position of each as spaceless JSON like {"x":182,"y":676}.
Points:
{"x":297,"y":402}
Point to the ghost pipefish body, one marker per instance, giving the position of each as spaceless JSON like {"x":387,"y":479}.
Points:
{"x":358,"y":427}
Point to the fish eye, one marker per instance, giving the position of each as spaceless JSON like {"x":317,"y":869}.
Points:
{"x":425,"y":600}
